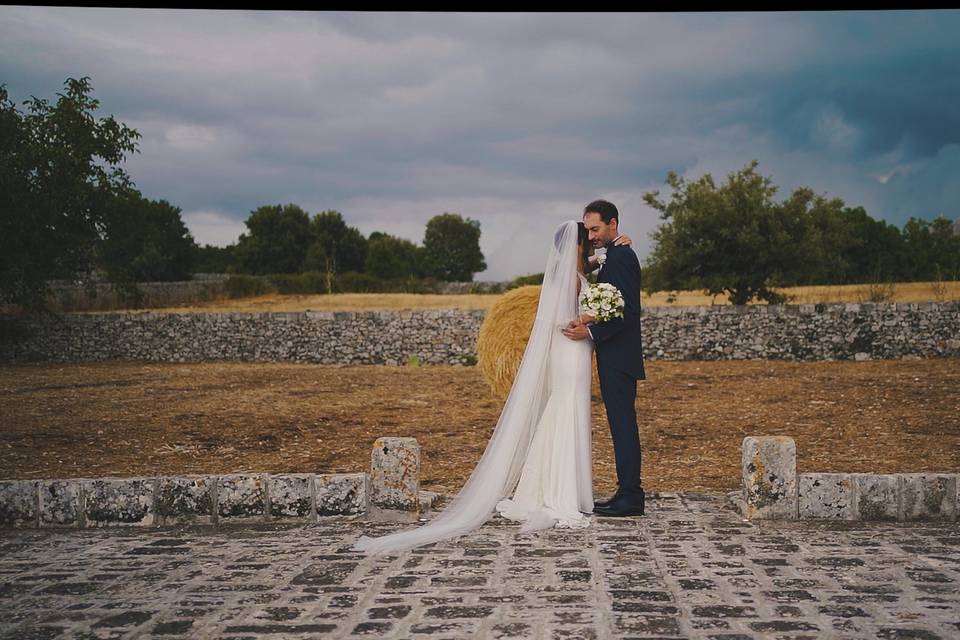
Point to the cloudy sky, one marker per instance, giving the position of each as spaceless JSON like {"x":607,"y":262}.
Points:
{"x":516,"y":120}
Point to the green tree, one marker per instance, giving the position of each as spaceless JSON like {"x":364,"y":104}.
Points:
{"x":822,"y":237}
{"x":277,"y":240}
{"x":212,"y":259}
{"x":59,"y":166}
{"x":945,"y":249}
{"x":933,"y":248}
{"x":451,"y":248}
{"x":876,"y":252}
{"x":730,"y":239}
{"x":145,"y":240}
{"x":334,"y":247}
{"x":391,"y":257}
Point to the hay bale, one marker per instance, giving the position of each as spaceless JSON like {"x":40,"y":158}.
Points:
{"x":503,"y":337}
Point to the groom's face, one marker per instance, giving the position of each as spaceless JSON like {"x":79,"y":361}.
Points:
{"x":598,"y":231}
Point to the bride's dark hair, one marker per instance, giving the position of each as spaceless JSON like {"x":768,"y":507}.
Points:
{"x":583,"y":239}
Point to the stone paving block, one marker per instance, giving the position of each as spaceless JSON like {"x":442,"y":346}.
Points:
{"x":769,"y":468}
{"x":18,"y":503}
{"x":877,"y":496}
{"x":828,"y":496}
{"x":241,"y":497}
{"x":928,"y":496}
{"x":341,"y":493}
{"x":118,"y":501}
{"x":60,"y":503}
{"x":185,"y":499}
{"x":291,"y":495}
{"x":395,"y":474}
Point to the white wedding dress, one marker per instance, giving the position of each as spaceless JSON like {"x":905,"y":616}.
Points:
{"x":556,"y":483}
{"x":540,"y":450}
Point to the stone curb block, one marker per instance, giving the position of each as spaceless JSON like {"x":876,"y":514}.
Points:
{"x":185,"y":499}
{"x":291,"y":496}
{"x":342,"y":493}
{"x":18,"y":503}
{"x":118,"y":502}
{"x":59,"y":503}
{"x":928,"y":496}
{"x":826,"y":496}
{"x":241,"y":497}
{"x":192,"y":499}
{"x":877,"y":496}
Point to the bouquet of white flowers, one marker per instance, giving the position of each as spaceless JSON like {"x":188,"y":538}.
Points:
{"x":603,"y":301}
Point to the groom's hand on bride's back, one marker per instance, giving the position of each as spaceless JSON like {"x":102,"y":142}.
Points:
{"x":576,"y":330}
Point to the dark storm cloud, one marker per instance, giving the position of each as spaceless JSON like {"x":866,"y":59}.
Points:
{"x":515,"y":120}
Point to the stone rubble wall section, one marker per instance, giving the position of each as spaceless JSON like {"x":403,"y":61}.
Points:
{"x":193,"y":499}
{"x":721,"y":332}
{"x":773,"y":490}
{"x":803,"y":332}
{"x":374,"y":337}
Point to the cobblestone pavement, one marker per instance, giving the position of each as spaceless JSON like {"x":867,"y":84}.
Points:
{"x":689,"y":568}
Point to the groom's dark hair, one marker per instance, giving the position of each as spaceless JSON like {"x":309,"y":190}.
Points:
{"x":607,"y":211}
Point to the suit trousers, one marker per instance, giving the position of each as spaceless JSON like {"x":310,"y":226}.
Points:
{"x":619,"y":391}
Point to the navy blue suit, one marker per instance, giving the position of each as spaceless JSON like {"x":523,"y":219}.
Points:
{"x":619,"y":348}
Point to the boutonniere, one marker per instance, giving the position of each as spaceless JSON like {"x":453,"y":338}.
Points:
{"x":601,"y":259}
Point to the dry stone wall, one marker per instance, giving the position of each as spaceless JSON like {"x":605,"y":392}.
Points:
{"x":436,"y":337}
{"x":782,"y":332}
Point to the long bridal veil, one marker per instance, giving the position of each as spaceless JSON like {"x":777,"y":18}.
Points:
{"x":498,"y":471}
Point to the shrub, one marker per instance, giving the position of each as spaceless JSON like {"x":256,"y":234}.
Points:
{"x":353,"y":282}
{"x":522,"y":281}
{"x":244,"y":286}
{"x":294,"y":283}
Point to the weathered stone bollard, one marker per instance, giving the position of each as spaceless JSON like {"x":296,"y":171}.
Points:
{"x":395,"y":474}
{"x":769,"y":467}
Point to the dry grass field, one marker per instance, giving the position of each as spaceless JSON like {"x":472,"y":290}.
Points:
{"x":140,"y":418}
{"x":901,"y":292}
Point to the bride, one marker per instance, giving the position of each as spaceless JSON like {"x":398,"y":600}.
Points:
{"x":541,"y":446}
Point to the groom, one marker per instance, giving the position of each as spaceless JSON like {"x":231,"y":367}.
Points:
{"x":619,"y":357}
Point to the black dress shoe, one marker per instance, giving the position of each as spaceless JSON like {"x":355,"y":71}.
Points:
{"x":622,"y":506}
{"x":604,"y":503}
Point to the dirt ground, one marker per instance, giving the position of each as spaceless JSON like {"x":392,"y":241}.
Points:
{"x":141,"y":418}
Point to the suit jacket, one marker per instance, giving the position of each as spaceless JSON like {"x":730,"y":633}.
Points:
{"x":618,"y":342}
